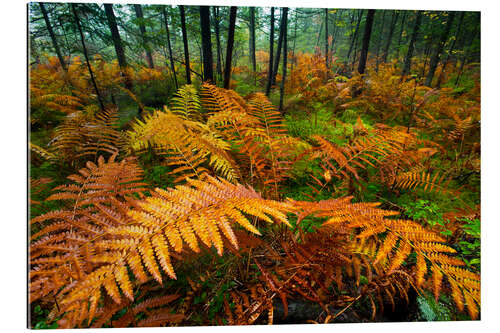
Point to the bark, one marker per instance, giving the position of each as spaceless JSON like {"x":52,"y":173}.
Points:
{"x":206,"y":44}
{"x":354,"y":37}
{"x":271,"y":53}
{"x":389,"y":38}
{"x":379,"y":41}
{"x":326,"y":38}
{"x":185,"y":42}
{"x":409,"y":54}
{"x":294,"y":40}
{"x":215,"y":13}
{"x":142,"y":29}
{"x":230,"y":43}
{"x":285,"y":56}
{"x":401,"y":33}
{"x":115,"y":36}
{"x":439,"y":49}
{"x":52,"y":36}
{"x":452,"y":47}
{"x":85,"y":53}
{"x":252,"y":39}
{"x":278,"y":51}
{"x":366,"y":41}
{"x":169,"y":46}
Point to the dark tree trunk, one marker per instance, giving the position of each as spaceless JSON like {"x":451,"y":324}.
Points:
{"x":271,"y":53}
{"x":252,"y":39}
{"x":215,"y":13}
{"x":409,"y":54}
{"x":117,"y":42}
{"x":467,"y":51}
{"x":52,"y":36}
{"x":142,"y":29}
{"x":171,"y":57}
{"x":354,"y":36}
{"x":452,"y":47}
{"x":85,"y":53}
{"x":206,"y":44}
{"x":185,"y":41}
{"x":439,"y":49}
{"x":326,"y":38}
{"x":389,"y":38}
{"x":401,"y":33}
{"x":379,"y":41}
{"x":366,"y":41}
{"x":284,"y":26}
{"x":230,"y":43}
{"x":278,"y":51}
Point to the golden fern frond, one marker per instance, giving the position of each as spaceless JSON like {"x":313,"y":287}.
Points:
{"x":424,"y":180}
{"x":100,"y":239}
{"x":87,"y":135}
{"x":186,"y":103}
{"x":188,"y":145}
{"x":395,"y":240}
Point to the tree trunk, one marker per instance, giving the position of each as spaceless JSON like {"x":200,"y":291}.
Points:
{"x":354,"y":37}
{"x":284,"y":26}
{"x":172,"y":67}
{"x":366,"y":41}
{"x":294,"y":40}
{"x":215,"y":13}
{"x":439,"y":49}
{"x":115,"y":36}
{"x":389,"y":38}
{"x":401,"y":33}
{"x":52,"y":36}
{"x":452,"y":47}
{"x":278,"y":51}
{"x":142,"y":29}
{"x":230,"y":43}
{"x":185,"y":41}
{"x":206,"y":44}
{"x":326,"y":38}
{"x":409,"y":54}
{"x":271,"y":53}
{"x":77,"y":21}
{"x":252,"y":39}
{"x":379,"y":41}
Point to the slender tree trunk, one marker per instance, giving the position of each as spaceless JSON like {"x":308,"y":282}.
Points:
{"x":230,"y":43}
{"x":85,"y":53}
{"x":284,"y":26}
{"x":172,"y":66}
{"x":252,"y":39}
{"x":326,"y":38}
{"x":452,"y":47}
{"x":354,"y":37}
{"x":467,"y":50}
{"x":379,"y":41}
{"x":366,"y":41}
{"x":185,"y":41}
{"x":294,"y":40}
{"x":215,"y":13}
{"x":439,"y":49}
{"x":206,"y":44}
{"x":33,"y":49}
{"x":409,"y":54}
{"x":271,"y":53}
{"x":52,"y":36}
{"x":389,"y":38}
{"x":401,"y":33}
{"x":115,"y":36}
{"x":278,"y":51}
{"x":142,"y":29}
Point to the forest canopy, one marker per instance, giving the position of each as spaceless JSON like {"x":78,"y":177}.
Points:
{"x":213,"y":165}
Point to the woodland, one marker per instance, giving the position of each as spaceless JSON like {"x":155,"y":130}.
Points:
{"x":210,"y":165}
